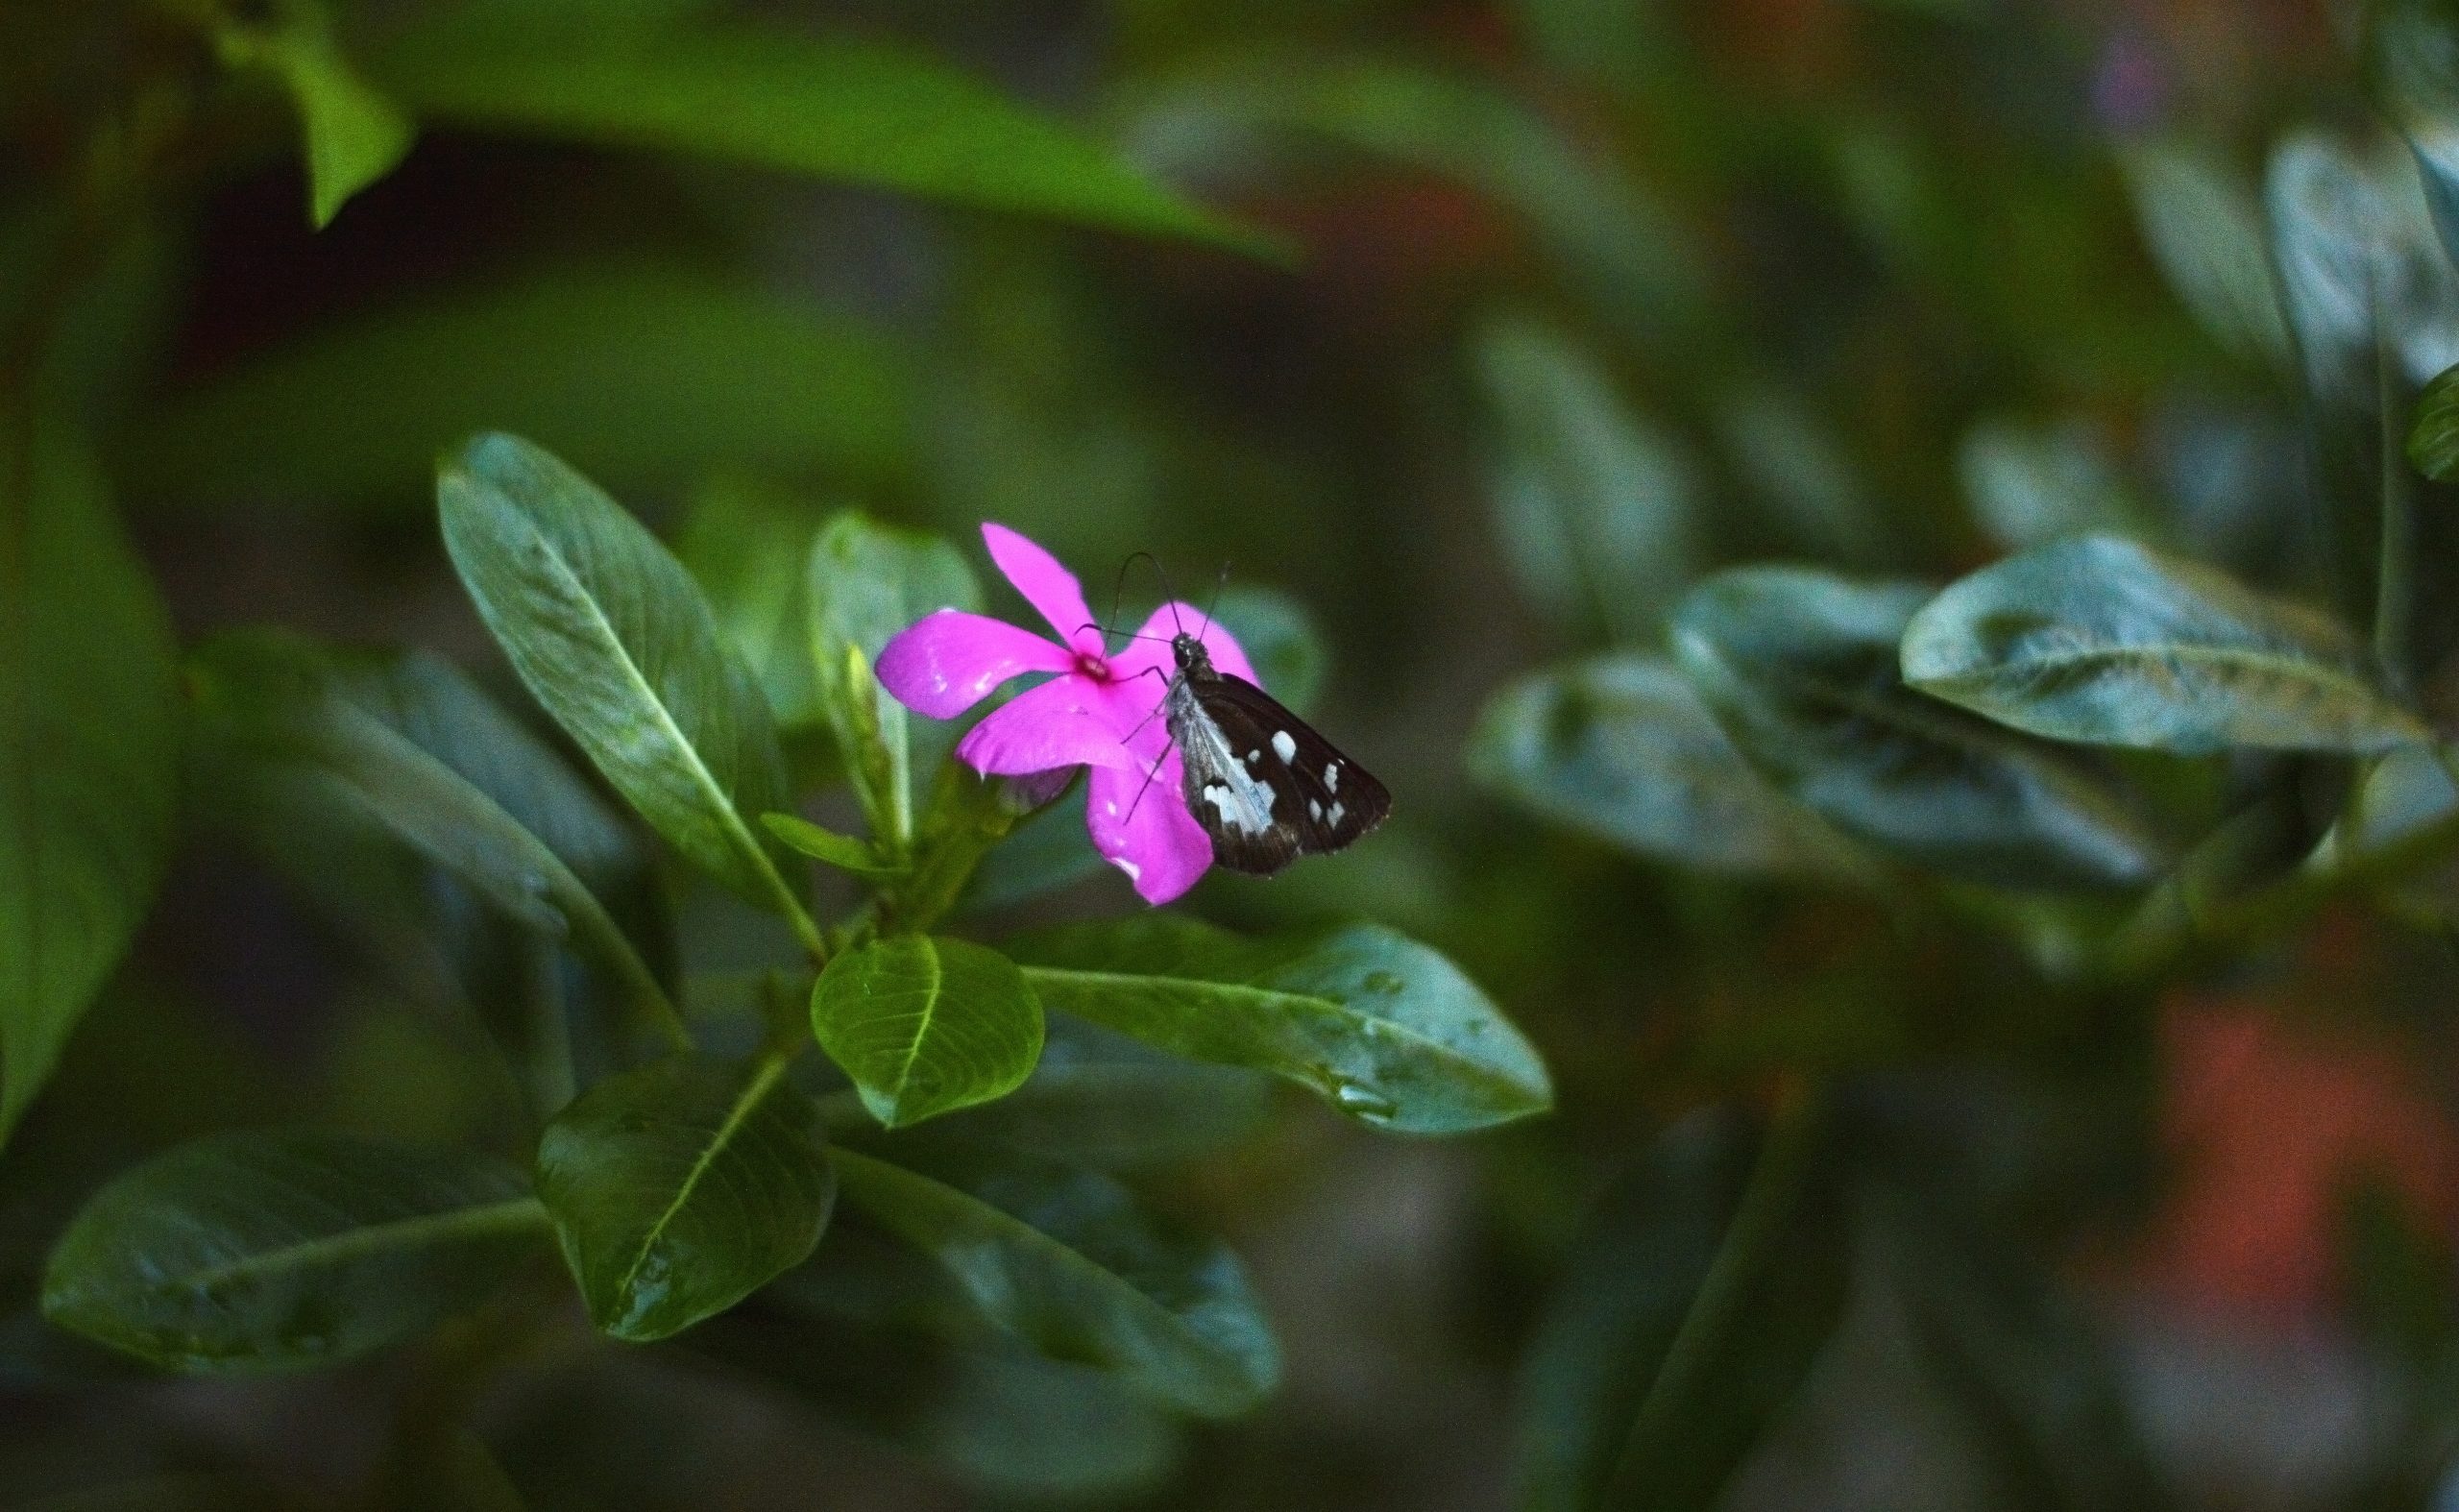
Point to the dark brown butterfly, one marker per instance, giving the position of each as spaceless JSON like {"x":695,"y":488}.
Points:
{"x":1260,"y":781}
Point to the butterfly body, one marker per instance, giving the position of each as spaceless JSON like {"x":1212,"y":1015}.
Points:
{"x":1265,"y":787}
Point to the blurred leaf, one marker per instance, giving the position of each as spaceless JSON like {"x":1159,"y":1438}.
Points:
{"x":354,"y":135}
{"x":613,"y":638}
{"x":1044,"y":853}
{"x":1800,"y":668}
{"x":1386,"y":1029}
{"x":844,"y":852}
{"x":1690,"y":1311}
{"x":634,"y":371}
{"x":745,"y":542}
{"x":1280,"y":640}
{"x":1621,"y":748}
{"x":1101,"y":1099}
{"x":2203,"y":223}
{"x":1597,"y":510}
{"x":2032,"y":485}
{"x":681,"y":1187}
{"x":2433,"y":437}
{"x":866,"y":582}
{"x":1637,"y":265}
{"x":856,"y":110}
{"x":1780,"y":449}
{"x":286,"y":1250}
{"x":2037,"y":1389}
{"x":926,"y":1025}
{"x":410,"y":744}
{"x":2102,"y":641}
{"x":88,"y":746}
{"x":1065,"y":1261}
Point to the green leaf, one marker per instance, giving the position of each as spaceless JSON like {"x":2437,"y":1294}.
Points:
{"x":1597,"y":511}
{"x":2433,"y":436}
{"x":87,"y":747}
{"x":744,"y":544}
{"x":1046,"y":852}
{"x":844,"y":852}
{"x":1099,"y":1099}
{"x":285,"y":1250}
{"x":1621,"y":748}
{"x":354,"y":135}
{"x":1629,"y":254}
{"x":636,"y":371}
{"x":2104,"y":641}
{"x":681,"y":1187}
{"x":926,"y":1025}
{"x":866,"y":581}
{"x":2203,"y":223}
{"x":1800,"y":668}
{"x":1385,"y":1028}
{"x":854,"y":109}
{"x":1065,"y":1261}
{"x":410,"y":744}
{"x":613,"y":638}
{"x":1689,"y":1313}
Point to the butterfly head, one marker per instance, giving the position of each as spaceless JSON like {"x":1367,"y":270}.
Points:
{"x":1193,"y":659}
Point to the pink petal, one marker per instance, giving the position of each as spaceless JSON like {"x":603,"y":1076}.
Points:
{"x":944,"y":663}
{"x":1046,"y":585}
{"x":1147,"y":831}
{"x":1152,"y":648}
{"x":1071,"y":721}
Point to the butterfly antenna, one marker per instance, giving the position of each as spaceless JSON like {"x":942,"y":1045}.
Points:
{"x":1214,"y":602}
{"x":1169,"y":595}
{"x":1118,"y":593}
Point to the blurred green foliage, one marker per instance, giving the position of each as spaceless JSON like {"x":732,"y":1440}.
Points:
{"x":1895,"y":556}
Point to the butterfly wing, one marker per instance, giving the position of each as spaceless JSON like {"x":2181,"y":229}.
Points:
{"x":1263,"y":784}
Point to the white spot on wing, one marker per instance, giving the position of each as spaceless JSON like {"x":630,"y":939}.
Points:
{"x":1333,"y":818}
{"x":1283,"y":746}
{"x":1314,"y":810}
{"x":1333,"y":778}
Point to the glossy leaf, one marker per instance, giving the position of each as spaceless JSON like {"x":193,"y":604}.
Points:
{"x":87,"y":747}
{"x":1689,"y":1314}
{"x":634,"y":371}
{"x":1385,"y":1028}
{"x":866,"y":582}
{"x":1595,"y":509}
{"x":679,"y":1188}
{"x":613,"y":638}
{"x":926,"y":1025}
{"x":2104,"y":641}
{"x":1065,"y":1261}
{"x":857,"y":109}
{"x":1621,"y":748}
{"x":1800,"y":670}
{"x":279,"y":1251}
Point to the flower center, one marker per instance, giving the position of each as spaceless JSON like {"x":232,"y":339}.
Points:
{"x":1093,"y":665}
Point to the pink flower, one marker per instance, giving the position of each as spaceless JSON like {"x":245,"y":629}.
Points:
{"x":1099,"y":712}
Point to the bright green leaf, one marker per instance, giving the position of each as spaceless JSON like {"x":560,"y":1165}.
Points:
{"x":88,"y":704}
{"x":1689,"y":1315}
{"x":679,"y":1188}
{"x":856,"y":110}
{"x":1800,"y":668}
{"x":1066,"y":1261}
{"x":280,"y":1251}
{"x":1385,"y":1028}
{"x":866,"y":582}
{"x":925,"y":1025}
{"x":1621,"y":748}
{"x":1597,"y":510}
{"x":2104,"y":641}
{"x":636,"y":371}
{"x":844,"y":852}
{"x":354,"y":134}
{"x":613,"y":639}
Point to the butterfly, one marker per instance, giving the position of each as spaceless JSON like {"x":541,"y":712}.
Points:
{"x":1265,"y":787}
